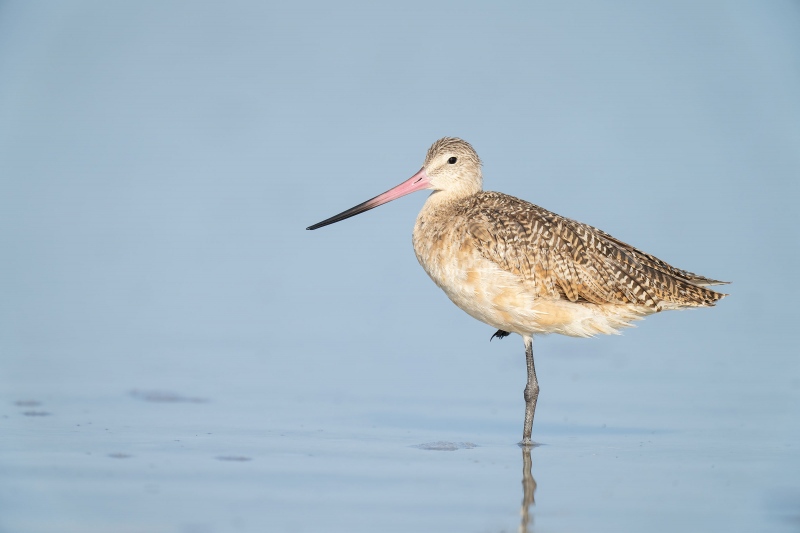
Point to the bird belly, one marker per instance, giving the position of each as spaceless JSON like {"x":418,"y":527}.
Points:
{"x":506,"y":301}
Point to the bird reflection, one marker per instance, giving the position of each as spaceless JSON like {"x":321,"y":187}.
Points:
{"x":528,"y":488}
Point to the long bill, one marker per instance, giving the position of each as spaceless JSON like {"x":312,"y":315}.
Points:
{"x":415,"y":183}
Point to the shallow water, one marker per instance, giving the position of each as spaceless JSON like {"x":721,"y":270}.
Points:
{"x":178,"y":354}
{"x":263,"y":456}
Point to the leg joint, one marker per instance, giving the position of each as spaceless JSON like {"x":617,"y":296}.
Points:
{"x":531,"y":392}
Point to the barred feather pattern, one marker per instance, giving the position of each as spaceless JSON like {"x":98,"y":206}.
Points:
{"x":576,"y":261}
{"x":522,"y":268}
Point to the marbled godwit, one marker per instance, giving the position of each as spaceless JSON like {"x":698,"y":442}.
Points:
{"x":522,"y":269}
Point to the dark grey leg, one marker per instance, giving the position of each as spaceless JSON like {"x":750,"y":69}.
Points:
{"x":531,"y":392}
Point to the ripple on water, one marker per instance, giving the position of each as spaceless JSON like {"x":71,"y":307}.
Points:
{"x":445,"y":446}
{"x":27,"y":403}
{"x":158,"y":396}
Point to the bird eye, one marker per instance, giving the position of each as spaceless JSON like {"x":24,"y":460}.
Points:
{"x":452,"y":160}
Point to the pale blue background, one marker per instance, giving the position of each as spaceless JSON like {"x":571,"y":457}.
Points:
{"x":159,"y":162}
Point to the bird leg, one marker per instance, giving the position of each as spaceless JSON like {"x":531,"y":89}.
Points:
{"x":499,"y":334}
{"x":531,"y":392}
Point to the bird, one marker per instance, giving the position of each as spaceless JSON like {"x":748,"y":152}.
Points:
{"x":523,"y":269}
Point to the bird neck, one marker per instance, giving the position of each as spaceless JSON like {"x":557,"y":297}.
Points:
{"x":455,"y":191}
{"x":441,"y":200}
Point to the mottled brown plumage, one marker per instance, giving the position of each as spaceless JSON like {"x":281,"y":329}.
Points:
{"x":575,"y":261}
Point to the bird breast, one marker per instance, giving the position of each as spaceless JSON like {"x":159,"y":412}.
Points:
{"x":449,"y":253}
{"x":473,"y":283}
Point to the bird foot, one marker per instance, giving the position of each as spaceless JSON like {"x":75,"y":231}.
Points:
{"x":499,"y":334}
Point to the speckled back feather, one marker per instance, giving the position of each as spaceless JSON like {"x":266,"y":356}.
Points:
{"x":564,"y":258}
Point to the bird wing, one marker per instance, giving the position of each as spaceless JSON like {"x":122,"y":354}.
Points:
{"x":562,"y":258}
